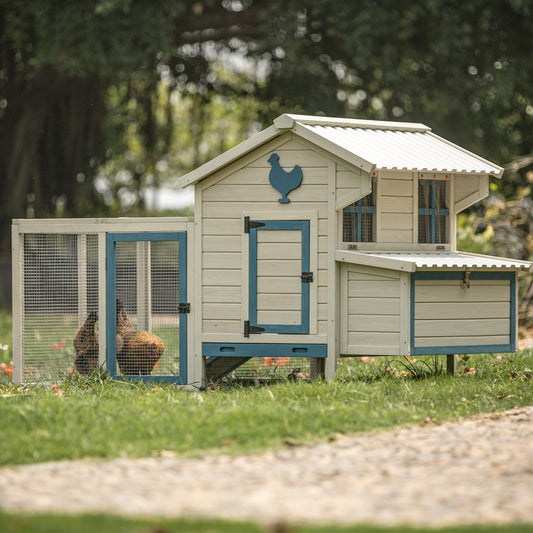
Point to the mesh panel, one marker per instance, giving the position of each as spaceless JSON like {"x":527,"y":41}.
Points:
{"x":432,"y":196}
{"x":358,"y":223}
{"x":147,"y":308}
{"x":270,"y":368}
{"x":60,"y":286}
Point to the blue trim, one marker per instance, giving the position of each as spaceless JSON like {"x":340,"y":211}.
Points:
{"x":111,"y":298}
{"x":269,"y":225}
{"x":241,"y":349}
{"x":465,"y":349}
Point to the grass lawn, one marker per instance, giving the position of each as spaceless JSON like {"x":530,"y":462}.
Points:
{"x":99,"y":523}
{"x":98,"y":417}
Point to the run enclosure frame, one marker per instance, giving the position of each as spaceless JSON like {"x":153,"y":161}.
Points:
{"x":102,"y":228}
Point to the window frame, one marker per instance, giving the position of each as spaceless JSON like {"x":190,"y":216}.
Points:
{"x":432,"y":212}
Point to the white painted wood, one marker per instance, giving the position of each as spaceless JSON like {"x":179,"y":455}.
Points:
{"x":396,"y":187}
{"x":214,"y":311}
{"x":221,"y":243}
{"x":214,"y":260}
{"x":357,"y":341}
{"x":285,"y":251}
{"x":467,"y":310}
{"x":455,"y":340}
{"x":374,"y":323}
{"x":347,"y":256}
{"x":397,"y":221}
{"x":374,"y":350}
{"x":230,"y":209}
{"x":399,"y":236}
{"x":222,"y":326}
{"x":281,"y":302}
{"x":102,"y":308}
{"x":366,"y":273}
{"x":462,"y":328}
{"x":396,"y":204}
{"x":17,"y":280}
{"x":266,"y":338}
{"x":279,"y":317}
{"x":374,"y":289}
{"x":347,"y":197}
{"x":456,"y":294}
{"x":221,"y":294}
{"x":374,"y":306}
{"x":404,"y":312}
{"x":144,"y":292}
{"x":81,"y":248}
{"x":230,"y":193}
{"x":222,"y":226}
{"x":222,"y":277}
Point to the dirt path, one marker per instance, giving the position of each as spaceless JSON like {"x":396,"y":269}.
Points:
{"x":475,"y":471}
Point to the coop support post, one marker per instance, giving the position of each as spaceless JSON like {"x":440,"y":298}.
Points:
{"x":102,"y":291}
{"x":82,"y":278}
{"x":451,"y":364}
{"x":144,"y":293}
{"x":17,"y":268}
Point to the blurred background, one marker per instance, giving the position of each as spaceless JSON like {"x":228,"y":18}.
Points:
{"x":104,"y":104}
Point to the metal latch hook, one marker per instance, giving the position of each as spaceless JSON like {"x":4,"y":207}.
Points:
{"x":466,"y":280}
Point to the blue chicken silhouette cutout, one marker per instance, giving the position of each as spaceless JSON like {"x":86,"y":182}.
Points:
{"x":284,"y":181}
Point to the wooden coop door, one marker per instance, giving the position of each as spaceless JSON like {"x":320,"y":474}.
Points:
{"x":147,"y":306}
{"x":279,"y":276}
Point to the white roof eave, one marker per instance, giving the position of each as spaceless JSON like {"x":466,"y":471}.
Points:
{"x":410,"y":262}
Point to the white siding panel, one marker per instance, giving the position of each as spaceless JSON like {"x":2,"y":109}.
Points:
{"x":222,"y":326}
{"x":221,"y":277}
{"x":221,"y":294}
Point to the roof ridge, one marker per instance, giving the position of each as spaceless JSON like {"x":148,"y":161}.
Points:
{"x":288,"y":121}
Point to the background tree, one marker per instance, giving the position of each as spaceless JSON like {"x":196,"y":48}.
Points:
{"x":102,"y":98}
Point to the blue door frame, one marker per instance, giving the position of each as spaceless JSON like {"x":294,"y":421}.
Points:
{"x":269,"y":225}
{"x":111,"y":297}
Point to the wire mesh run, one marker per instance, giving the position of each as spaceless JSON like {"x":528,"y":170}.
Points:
{"x":147,"y":327}
{"x":60,"y":285}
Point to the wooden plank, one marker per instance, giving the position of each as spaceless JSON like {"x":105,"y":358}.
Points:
{"x":221,"y":326}
{"x":461,"y":341}
{"x":221,"y":294}
{"x":228,"y":193}
{"x":313,"y":174}
{"x":283,"y":302}
{"x":363,"y":272}
{"x":221,"y":277}
{"x":348,"y":180}
{"x":373,"y":289}
{"x":374,"y":323}
{"x":394,"y":204}
{"x":374,"y":306}
{"x":397,"y":221}
{"x":221,"y":243}
{"x":373,"y":339}
{"x":461,"y":328}
{"x":396,"y":236}
{"x":285,"y":251}
{"x":279,"y":236}
{"x":222,"y":260}
{"x":279,"y":317}
{"x":454,"y":293}
{"x":221,"y":311}
{"x":463,"y":310}
{"x":222,"y":226}
{"x":281,"y":284}
{"x":396,"y":187}
{"x":234,"y":209}
{"x":280,"y":267}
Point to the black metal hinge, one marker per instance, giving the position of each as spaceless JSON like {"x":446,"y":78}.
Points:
{"x":249,"y":224}
{"x":251,"y":329}
{"x":307,"y":277}
{"x":184,"y":308}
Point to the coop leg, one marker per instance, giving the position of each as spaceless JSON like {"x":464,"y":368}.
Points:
{"x":451,"y":364}
{"x":317,"y":368}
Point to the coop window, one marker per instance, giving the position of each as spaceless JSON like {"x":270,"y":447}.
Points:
{"x":359,"y":219}
{"x":433,"y":212}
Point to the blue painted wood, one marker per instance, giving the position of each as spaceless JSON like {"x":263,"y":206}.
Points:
{"x":282,"y":180}
{"x":270,"y":225}
{"x":217,"y":349}
{"x":111,"y":297}
{"x":462,"y":349}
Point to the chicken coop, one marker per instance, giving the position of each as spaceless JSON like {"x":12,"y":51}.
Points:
{"x":315,"y":239}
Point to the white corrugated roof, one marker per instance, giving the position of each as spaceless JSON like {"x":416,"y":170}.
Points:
{"x":366,"y":144}
{"x":410,"y":262}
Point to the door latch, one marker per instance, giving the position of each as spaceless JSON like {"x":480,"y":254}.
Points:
{"x":307,"y":277}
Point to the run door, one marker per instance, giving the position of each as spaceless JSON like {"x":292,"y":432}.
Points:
{"x":279,"y":276}
{"x":147,"y":306}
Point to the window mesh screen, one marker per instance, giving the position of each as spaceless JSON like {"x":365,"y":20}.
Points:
{"x":60,"y":287}
{"x":147,"y":308}
{"x":433,"y":212}
{"x":359,"y":218}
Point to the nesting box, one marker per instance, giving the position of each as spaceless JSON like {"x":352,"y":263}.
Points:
{"x":316,"y":238}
